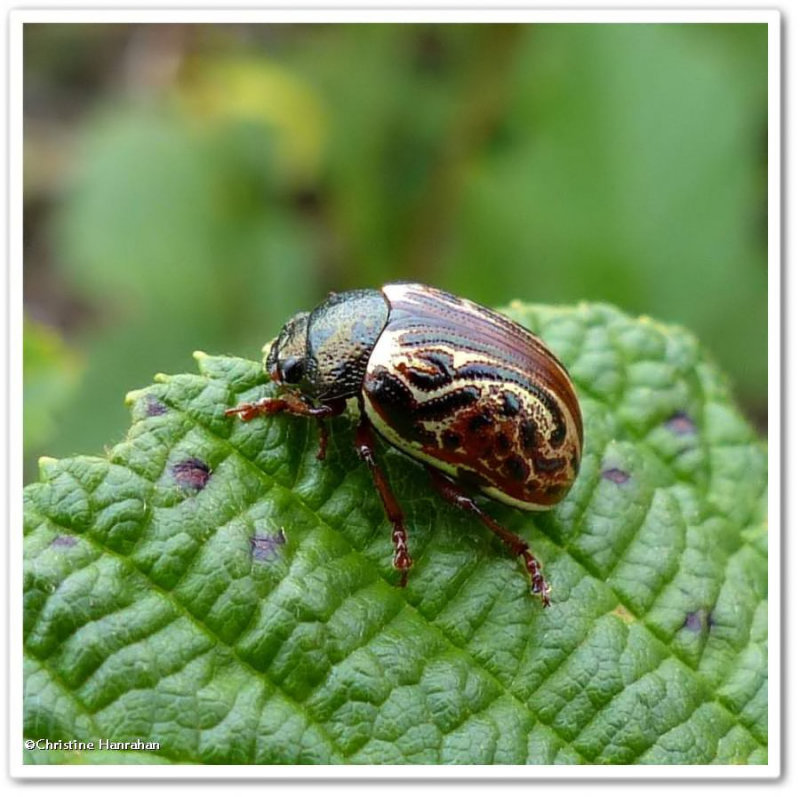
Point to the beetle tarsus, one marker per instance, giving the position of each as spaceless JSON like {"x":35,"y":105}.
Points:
{"x":365,"y":447}
{"x":539,"y":585}
{"x":402,"y":559}
{"x":453,"y":494}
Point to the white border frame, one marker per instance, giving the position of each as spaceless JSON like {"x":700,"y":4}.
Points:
{"x":16,"y":19}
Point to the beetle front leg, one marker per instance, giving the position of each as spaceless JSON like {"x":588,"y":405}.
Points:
{"x":365,"y":447}
{"x":293,"y":404}
{"x":453,"y":494}
{"x":289,"y":402}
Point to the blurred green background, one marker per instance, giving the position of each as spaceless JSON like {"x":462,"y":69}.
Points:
{"x":191,"y":186}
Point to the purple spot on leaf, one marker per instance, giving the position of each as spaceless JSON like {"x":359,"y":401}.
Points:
{"x":154,"y":407}
{"x":265,"y":547}
{"x":191,"y":473}
{"x":697,"y":621}
{"x":681,"y":424}
{"x":616,"y":475}
{"x":64,"y":541}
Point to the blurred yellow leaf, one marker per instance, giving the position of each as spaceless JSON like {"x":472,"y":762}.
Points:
{"x":254,"y":89}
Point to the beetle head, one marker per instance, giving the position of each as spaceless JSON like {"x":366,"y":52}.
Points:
{"x":286,"y":361}
{"x":324,"y":353}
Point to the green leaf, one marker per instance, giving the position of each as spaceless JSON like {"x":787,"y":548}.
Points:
{"x":211,"y":586}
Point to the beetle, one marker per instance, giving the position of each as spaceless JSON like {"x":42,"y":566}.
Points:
{"x":478,"y":399}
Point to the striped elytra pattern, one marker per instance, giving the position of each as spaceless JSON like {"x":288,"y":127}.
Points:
{"x":474,"y":394}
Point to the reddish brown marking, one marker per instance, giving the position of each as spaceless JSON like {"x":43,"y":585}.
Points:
{"x":502,"y":442}
{"x":516,"y":468}
{"x":453,"y":494}
{"x":495,"y":451}
{"x":365,"y":447}
{"x":479,"y":420}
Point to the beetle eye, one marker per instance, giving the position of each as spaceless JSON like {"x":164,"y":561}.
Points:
{"x":292,"y":370}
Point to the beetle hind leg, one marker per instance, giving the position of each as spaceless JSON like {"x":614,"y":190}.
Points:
{"x":365,"y":446}
{"x":453,"y":494}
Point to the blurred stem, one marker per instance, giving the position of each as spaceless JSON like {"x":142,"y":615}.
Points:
{"x":485,"y":97}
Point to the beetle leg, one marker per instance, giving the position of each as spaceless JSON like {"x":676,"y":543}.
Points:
{"x":365,"y":447}
{"x":289,"y":402}
{"x":336,"y":407}
{"x":294,"y":405}
{"x":454,"y":495}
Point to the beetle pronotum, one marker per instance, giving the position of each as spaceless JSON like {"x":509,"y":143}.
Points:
{"x":475,"y":397}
